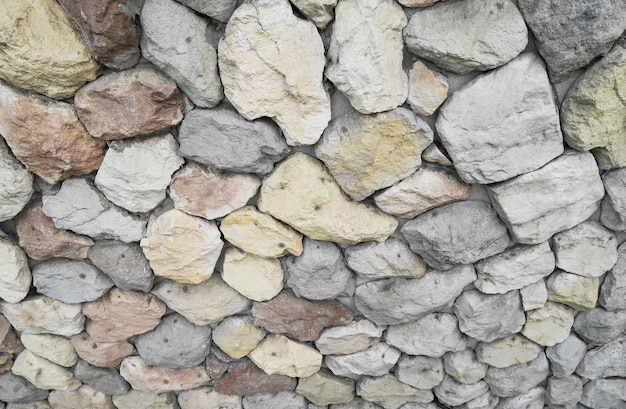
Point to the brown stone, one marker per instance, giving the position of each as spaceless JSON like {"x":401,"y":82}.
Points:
{"x":41,"y":240}
{"x":129,"y":103}
{"x":215,"y":367}
{"x":244,"y":379}
{"x":9,"y":342}
{"x":299,"y":318}
{"x":119,"y":315}
{"x":108,"y":30}
{"x":102,"y":354}
{"x":146,"y":378}
{"x":46,"y":136}
{"x":6,"y":362}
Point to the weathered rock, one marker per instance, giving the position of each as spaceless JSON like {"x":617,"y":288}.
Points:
{"x":356,"y":403}
{"x":101,"y":354}
{"x":237,"y":336}
{"x":464,"y":367}
{"x":56,"y":349}
{"x":422,"y":372}
{"x":124,"y":263}
{"x":135,"y":399}
{"x":45,"y":135}
{"x":174,"y":39}
{"x":277,"y":354}
{"x":323,"y":388}
{"x":508,"y":351}
{"x":570,"y":35}
{"x":206,"y":192}
{"x":204,"y":303}
{"x":396,"y":300}
{"x":588,"y":249}
{"x":434,"y":154}
{"x":572,"y":172}
{"x":299,"y":318}
{"x":319,"y":11}
{"x":105,"y":380}
{"x":514,"y":268}
{"x":6,"y":362}
{"x":83,"y":397}
{"x":43,"y":315}
{"x":217,"y":364}
{"x":41,"y":240}
{"x":181,"y":247}
{"x":246,"y":379}
{"x":16,"y":184}
{"x":251,"y":65}
{"x":533,"y":399}
{"x":390,"y":393}
{"x":15,"y":276}
{"x":374,"y":361}
{"x":42,"y":404}
{"x":219,"y":10}
{"x":16,"y":389}
{"x":94,"y":216}
{"x":354,"y":337}
{"x":207,"y":398}
{"x":604,"y":362}
{"x":604,"y":393}
{"x":254,"y":277}
{"x":454,"y":393}
{"x":564,"y":391}
{"x":613,"y":291}
{"x":43,"y":373}
{"x":121,"y":314}
{"x":485,"y":401}
{"x":432,"y":335}
{"x":565,"y":356}
{"x":153,"y":379}
{"x":281,"y":400}
{"x":580,"y":293}
{"x":428,"y":89}
{"x":518,"y":379}
{"x":9,"y":342}
{"x":549,"y":325}
{"x":495,"y":142}
{"x":462,"y":37}
{"x":614,"y":205}
{"x":534,"y":295}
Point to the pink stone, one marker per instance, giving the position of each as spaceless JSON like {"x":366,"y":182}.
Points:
{"x":244,"y":378}
{"x":102,"y":354}
{"x":155,"y":379}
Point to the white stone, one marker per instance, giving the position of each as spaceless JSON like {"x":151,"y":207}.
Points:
{"x":464,"y":367}
{"x":421,"y":372}
{"x":390,"y":393}
{"x":43,"y":315}
{"x":391,"y":258}
{"x":43,"y":373}
{"x":549,"y":325}
{"x":254,"y":277}
{"x":534,"y":295}
{"x":508,"y":351}
{"x":207,"y":398}
{"x":578,"y":292}
{"x":374,"y":361}
{"x":320,"y":11}
{"x":15,"y":276}
{"x":56,"y":349}
{"x":16,"y":184}
{"x":277,"y":354}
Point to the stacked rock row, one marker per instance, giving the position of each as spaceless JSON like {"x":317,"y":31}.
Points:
{"x":353,"y":204}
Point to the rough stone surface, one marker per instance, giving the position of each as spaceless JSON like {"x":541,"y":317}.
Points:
{"x":508,"y":351}
{"x":101,"y":354}
{"x":146,"y":378}
{"x":517,"y":379}
{"x":43,"y":373}
{"x":572,"y":172}
{"x":207,"y":398}
{"x":580,"y":293}
{"x":604,"y":393}
{"x":246,"y":379}
{"x":281,"y":400}
{"x":605,"y":361}
{"x":16,"y":184}
{"x":390,"y":393}
{"x":454,"y":393}
{"x":174,"y":39}
{"x":321,"y":12}
{"x":105,"y":380}
{"x":254,"y":277}
{"x":549,"y":325}
{"x":15,"y":276}
{"x":348,"y":339}
{"x":391,"y":258}
{"x":588,"y":249}
{"x":432,"y":335}
{"x":219,"y":10}
{"x":462,"y":37}
{"x":374,"y":361}
{"x":181,"y":247}
{"x":534,"y":295}
{"x":533,"y":399}
{"x":251,"y":65}
{"x":365,"y":54}
{"x":495,"y":142}
{"x":15,"y":389}
{"x":434,"y":154}
{"x":277,"y":354}
{"x":428,"y":89}
{"x":43,"y":315}
{"x":323,"y":388}
{"x":613,"y":290}
{"x":237,"y":336}
{"x":56,"y":349}
{"x":422,"y":372}
{"x":9,"y":342}
{"x":464,"y":367}
{"x":614,"y":205}
{"x":565,"y":356}
{"x":564,"y":391}
{"x":135,"y":399}
{"x":124,"y":263}
{"x":83,"y":397}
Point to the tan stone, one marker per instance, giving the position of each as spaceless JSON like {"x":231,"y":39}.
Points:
{"x":549,"y":325}
{"x":8,"y":340}
{"x":102,"y":354}
{"x":507,"y":351}
{"x":41,"y":49}
{"x":427,"y":89}
{"x":135,"y":399}
{"x":245,"y":379}
{"x":56,"y":349}
{"x":43,"y":315}
{"x":390,"y":393}
{"x":207,"y":398}
{"x":84,"y":397}
{"x":16,"y":184}
{"x":254,"y":277}
{"x":15,"y":276}
{"x":46,"y":136}
{"x":580,"y":293}
{"x":260,"y":234}
{"x":354,"y":337}
{"x":303,"y":194}
{"x":119,"y":315}
{"x":41,"y":404}
{"x":433,"y":154}
{"x":43,"y":373}
{"x":6,"y":362}
{"x":323,"y":388}
{"x":210,"y":193}
{"x":277,"y":354}
{"x":181,"y":247}
{"x":237,"y":336}
{"x":146,"y":378}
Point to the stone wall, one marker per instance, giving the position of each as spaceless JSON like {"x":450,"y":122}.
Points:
{"x":263,"y":204}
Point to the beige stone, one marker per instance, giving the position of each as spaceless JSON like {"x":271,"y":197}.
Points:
{"x":323,"y":388}
{"x":580,"y":293}
{"x":260,"y":234}
{"x":102,"y":354}
{"x":303,"y":194}
{"x":237,"y":336}
{"x":43,"y":315}
{"x":42,"y":50}
{"x":135,"y":399}
{"x":181,"y":247}
{"x":146,"y":378}
{"x":6,"y":362}
{"x":9,"y":342}
{"x":43,"y":373}
{"x":15,"y":276}
{"x":534,"y":295}
{"x":16,"y":184}
{"x":277,"y":354}
{"x":433,"y":154}
{"x":254,"y":277}
{"x":84,"y":397}
{"x":319,"y":11}
{"x":208,"y":398}
{"x":354,"y":337}
{"x":508,"y":351}
{"x":428,"y":89}
{"x":549,"y":325}
{"x":390,"y":393}
{"x":56,"y":349}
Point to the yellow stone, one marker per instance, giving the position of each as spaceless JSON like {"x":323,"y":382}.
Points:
{"x":549,"y":325}
{"x":237,"y":336}
{"x":254,"y":277}
{"x":277,"y":354}
{"x":56,"y":349}
{"x":323,"y":388}
{"x":508,"y":351}
{"x":578,"y":292}
{"x":43,"y":373}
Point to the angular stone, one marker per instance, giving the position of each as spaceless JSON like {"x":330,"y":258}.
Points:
{"x":464,"y":367}
{"x":146,"y":378}
{"x":121,"y":314}
{"x":43,"y":373}
{"x":564,"y":391}
{"x":534,"y":295}
{"x":105,"y":380}
{"x":205,"y":303}
{"x":449,"y":235}
{"x":552,"y":212}
{"x":533,"y":399}
{"x":16,"y":184}
{"x":374,"y":361}
{"x":181,"y":247}
{"x":565,"y":356}
{"x":246,"y":379}
{"x":614,"y":205}
{"x":433,"y":154}
{"x":516,"y":132}
{"x":323,"y":388}
{"x":277,"y":354}
{"x":356,"y":403}
{"x":83,"y":397}
{"x":218,"y":363}
{"x":508,"y":351}
{"x":15,"y":276}
{"x":319,"y":11}
{"x":348,"y":339}
{"x":94,"y":216}
{"x":205,"y":192}
{"x":101,"y":354}
{"x":237,"y":336}
{"x":580,"y":293}
{"x":518,"y":379}
{"x":462,"y":37}
{"x":124,"y":263}
{"x":281,"y":400}
{"x":51,"y":59}
{"x":43,"y":315}
{"x":254,"y":277}
{"x":421,"y":372}
{"x":9,"y":342}
{"x":219,"y":10}
{"x":588,"y":249}
{"x":604,"y":362}
{"x":174,"y":39}
{"x":46,"y":136}
{"x":251,"y":64}
{"x":514,"y":268}
{"x":613,"y":291}
{"x":570,"y":35}
{"x":429,"y":187}
{"x":207,"y":398}
{"x":432,"y":335}
{"x":604,"y":393}
{"x":549,"y":325}
{"x":365,"y":59}
{"x":15,"y":389}
{"x":390,"y":393}
{"x":135,"y":399}
{"x":454,"y":393}
{"x":56,"y":349}
{"x":428,"y":89}
{"x":299,"y":318}
{"x":396,"y":300}
{"x":6,"y":362}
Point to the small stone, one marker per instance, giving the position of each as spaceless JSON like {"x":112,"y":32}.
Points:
{"x":205,"y":303}
{"x":508,"y":351}
{"x":319,"y":11}
{"x":16,"y":184}
{"x":207,"y":398}
{"x":105,"y":380}
{"x":83,"y":397}
{"x":43,"y":373}
{"x":15,"y":276}
{"x":219,"y":10}
{"x":43,"y":315}
{"x":281,"y":400}
{"x":565,"y":356}
{"x":323,"y":388}
{"x":56,"y":349}
{"x":517,"y":379}
{"x":153,"y":379}
{"x":299,"y":318}
{"x":354,"y":337}
{"x":206,"y":192}
{"x":580,"y":293}
{"x":246,"y":379}
{"x":6,"y":362}
{"x":599,"y":326}
{"x":428,"y":89}
{"x":588,"y":249}
{"x":135,"y":399}
{"x":432,"y":335}
{"x":604,"y":393}
{"x":421,"y":372}
{"x":216,"y":366}
{"x":549,"y":325}
{"x":181,"y":247}
{"x":254,"y":277}
{"x":534,"y":295}
{"x":101,"y":354}
{"x":124,"y":263}
{"x":121,"y":314}
{"x":564,"y":391}
{"x":9,"y":342}
{"x":237,"y":336}
{"x":374,"y":361}
{"x":277,"y":354}
{"x":613,"y":291}
{"x":15,"y":389}
{"x":614,"y":205}
{"x":390,"y":393}
{"x":433,"y":154}
{"x":250,"y":65}
{"x":454,"y":393}
{"x":174,"y":39}
{"x":605,"y":361}
{"x":464,"y":367}
{"x":391,"y":258}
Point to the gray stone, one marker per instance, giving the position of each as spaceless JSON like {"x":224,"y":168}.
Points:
{"x":464,"y":367}
{"x":212,"y":136}
{"x":565,"y":356}
{"x":453,"y":393}
{"x":432,"y":335}
{"x":466,"y":36}
{"x":421,"y":372}
{"x":92,"y":215}
{"x":569,"y":35}
{"x":605,"y":361}
{"x":518,"y":379}
{"x":374,"y":361}
{"x":15,"y":276}
{"x":485,"y":401}
{"x":533,"y":399}
{"x":504,"y":352}
{"x":573,"y":172}
{"x":319,"y":273}
{"x":174,"y":39}
{"x":489,"y":317}
{"x":534,"y":295}
{"x":614,"y":203}
{"x":397,"y":300}
{"x":220,"y":10}
{"x":16,"y":389}
{"x":514,"y":130}
{"x":613,"y":290}
{"x":564,"y":391}
{"x":600,"y":326}
{"x":175,"y":343}
{"x":106,"y":380}
{"x":347,"y":339}
{"x":42,"y":404}
{"x":605,"y":394}
{"x":390,"y":393}
{"x":16,"y":184}
{"x":124,"y":263}
{"x":456,"y":233}
{"x":356,"y":403}
{"x":280,"y":400}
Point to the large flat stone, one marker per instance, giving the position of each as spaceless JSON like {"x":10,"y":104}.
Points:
{"x":246,"y":379}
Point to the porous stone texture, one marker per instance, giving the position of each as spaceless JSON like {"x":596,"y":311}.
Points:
{"x":421,"y":372}
{"x":390,"y":393}
{"x":15,"y":276}
{"x":604,"y":393}
{"x":374,"y":361}
{"x":245,"y":379}
{"x":16,"y":184}
{"x":43,"y":315}
{"x":428,"y":89}
{"x":354,"y":337}
{"x":323,"y":388}
{"x":124,"y":263}
{"x":565,"y":356}
{"x":517,"y":379}
{"x":508,"y":351}
{"x":254,"y":277}
{"x":101,"y":354}
{"x":54,"y":348}
{"x":549,"y":325}
{"x":277,"y":354}
{"x":432,"y":335}
{"x":613,"y":290}
{"x":146,"y":378}
{"x":237,"y":336}
{"x":564,"y":391}
{"x":605,"y":361}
